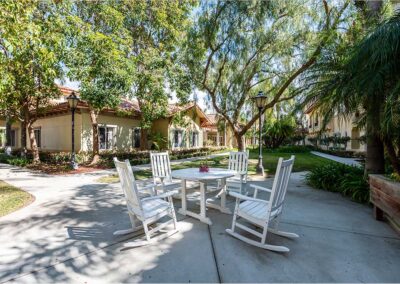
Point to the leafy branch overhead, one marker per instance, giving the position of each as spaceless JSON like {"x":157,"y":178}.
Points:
{"x":237,"y":48}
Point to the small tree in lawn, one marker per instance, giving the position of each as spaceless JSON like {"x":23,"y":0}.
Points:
{"x":31,"y":45}
{"x":157,"y":29}
{"x":98,"y":58}
{"x":239,"y":47}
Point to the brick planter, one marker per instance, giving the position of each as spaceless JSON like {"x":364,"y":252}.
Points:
{"x":385,"y":195}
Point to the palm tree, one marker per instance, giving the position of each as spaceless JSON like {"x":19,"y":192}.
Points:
{"x":364,"y":79}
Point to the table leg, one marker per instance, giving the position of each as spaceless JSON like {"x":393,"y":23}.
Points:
{"x":224,"y":209}
{"x":183,"y":209}
{"x":203,"y":216}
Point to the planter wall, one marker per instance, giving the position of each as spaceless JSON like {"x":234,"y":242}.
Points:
{"x":385,"y":195}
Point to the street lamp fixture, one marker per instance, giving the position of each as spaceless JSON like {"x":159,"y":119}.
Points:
{"x":260,"y":101}
{"x":73,"y":103}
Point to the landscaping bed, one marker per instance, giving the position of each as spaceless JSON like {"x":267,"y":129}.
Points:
{"x":59,"y":163}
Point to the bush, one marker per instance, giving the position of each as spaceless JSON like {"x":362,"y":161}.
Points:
{"x":347,"y":180}
{"x":294,"y":149}
{"x":14,"y":160}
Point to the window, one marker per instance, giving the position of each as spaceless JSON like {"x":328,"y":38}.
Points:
{"x":106,"y":137}
{"x":195,"y":139}
{"x":178,"y":135}
{"x":136,"y":137}
{"x":13,"y":134}
{"x":38,"y":137}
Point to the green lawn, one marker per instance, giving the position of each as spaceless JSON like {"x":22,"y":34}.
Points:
{"x":12,"y":198}
{"x":303,"y":162}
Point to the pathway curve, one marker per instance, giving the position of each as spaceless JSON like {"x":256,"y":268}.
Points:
{"x":346,"y":161}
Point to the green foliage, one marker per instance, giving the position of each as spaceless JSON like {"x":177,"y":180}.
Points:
{"x":276,"y":131}
{"x":14,"y":160}
{"x":237,"y":48}
{"x":347,"y":180}
{"x":159,"y":141}
{"x":292,"y":149}
{"x":363,"y":74}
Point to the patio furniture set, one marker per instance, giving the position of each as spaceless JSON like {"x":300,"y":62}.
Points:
{"x":150,"y":203}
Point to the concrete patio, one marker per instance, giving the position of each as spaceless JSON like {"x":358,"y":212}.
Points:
{"x":66,"y":236}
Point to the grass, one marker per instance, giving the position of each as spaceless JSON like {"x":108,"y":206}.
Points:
{"x":304,"y":162}
{"x":12,"y":198}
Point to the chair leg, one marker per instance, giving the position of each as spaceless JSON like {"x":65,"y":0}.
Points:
{"x":235,"y":215}
{"x":146,"y":231}
{"x":173,"y":215}
{"x":274,"y":230}
{"x":257,"y":244}
{"x":134,"y":228}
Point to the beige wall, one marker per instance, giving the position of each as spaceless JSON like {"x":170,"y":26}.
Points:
{"x":56,"y":133}
{"x":123,"y":130}
{"x":338,"y":125}
{"x":193,"y":121}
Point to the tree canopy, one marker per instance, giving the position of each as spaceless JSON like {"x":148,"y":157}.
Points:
{"x":237,"y":48}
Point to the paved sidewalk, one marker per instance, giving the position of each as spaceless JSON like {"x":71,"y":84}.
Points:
{"x":346,"y":161}
{"x":66,"y":236}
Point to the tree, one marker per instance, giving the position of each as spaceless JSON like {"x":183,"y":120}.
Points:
{"x":98,"y":58}
{"x":278,"y":130}
{"x":364,"y":79}
{"x":157,"y":29}
{"x":237,"y":48}
{"x":31,"y":44}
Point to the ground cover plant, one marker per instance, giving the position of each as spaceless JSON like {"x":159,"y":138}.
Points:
{"x":12,"y":198}
{"x":347,"y":180}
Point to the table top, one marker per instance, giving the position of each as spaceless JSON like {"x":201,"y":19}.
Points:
{"x":194,"y":174}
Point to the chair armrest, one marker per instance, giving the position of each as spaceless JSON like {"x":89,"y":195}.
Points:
{"x":161,"y":196}
{"x":244,"y":197}
{"x":257,"y":187}
{"x":260,"y":188}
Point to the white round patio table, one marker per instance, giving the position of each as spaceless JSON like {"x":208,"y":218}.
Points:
{"x":193,"y":174}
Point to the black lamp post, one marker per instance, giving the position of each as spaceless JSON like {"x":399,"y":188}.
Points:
{"x":73,"y":103}
{"x":260,"y":101}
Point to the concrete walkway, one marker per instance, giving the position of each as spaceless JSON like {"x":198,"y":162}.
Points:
{"x":66,"y":236}
{"x":346,"y":161}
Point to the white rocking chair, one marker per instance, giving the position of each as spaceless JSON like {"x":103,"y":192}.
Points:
{"x":147,"y":210}
{"x":161,"y":170}
{"x":238,"y":162}
{"x":264,"y":213}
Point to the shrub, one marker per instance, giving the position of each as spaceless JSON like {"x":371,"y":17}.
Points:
{"x":294,"y":149}
{"x":14,"y":160}
{"x":347,"y":180}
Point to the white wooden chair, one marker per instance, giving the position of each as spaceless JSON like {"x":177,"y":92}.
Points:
{"x":264,"y":213}
{"x":161,"y":170}
{"x":238,"y":162}
{"x":144,"y":209}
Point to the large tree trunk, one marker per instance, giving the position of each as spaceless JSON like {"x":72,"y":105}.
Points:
{"x":23,"y":139}
{"x":394,"y":160}
{"x":32,"y":140}
{"x":143,"y":139}
{"x":8,"y":136}
{"x":95,"y":129}
{"x":375,"y":161}
{"x":239,"y":140}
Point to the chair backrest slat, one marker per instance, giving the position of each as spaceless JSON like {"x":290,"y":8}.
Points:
{"x":160,"y":166}
{"x":128,"y":185}
{"x":238,"y":162}
{"x":281,"y":181}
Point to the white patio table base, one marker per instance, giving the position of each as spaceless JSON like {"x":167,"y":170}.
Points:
{"x":193,"y":174}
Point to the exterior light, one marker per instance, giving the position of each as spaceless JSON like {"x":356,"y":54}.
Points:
{"x":72,"y":100}
{"x":260,"y":101}
{"x":73,"y":103}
